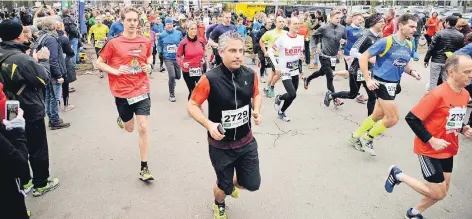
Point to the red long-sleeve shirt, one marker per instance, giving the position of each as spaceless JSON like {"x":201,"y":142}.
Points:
{"x":389,"y":28}
{"x":191,"y":51}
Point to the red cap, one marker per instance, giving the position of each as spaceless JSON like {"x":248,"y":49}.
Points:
{"x":3,"y":100}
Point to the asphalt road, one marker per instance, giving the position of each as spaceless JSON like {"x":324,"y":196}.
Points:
{"x":308,"y":168}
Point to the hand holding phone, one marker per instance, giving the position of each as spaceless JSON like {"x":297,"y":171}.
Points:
{"x":12,"y":108}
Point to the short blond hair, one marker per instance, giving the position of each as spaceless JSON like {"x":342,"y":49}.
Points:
{"x":334,"y":12}
{"x":127,"y":10}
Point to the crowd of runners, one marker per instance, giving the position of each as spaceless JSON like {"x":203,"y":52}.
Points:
{"x":208,"y":51}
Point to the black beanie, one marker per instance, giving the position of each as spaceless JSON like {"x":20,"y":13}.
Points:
{"x":10,"y":30}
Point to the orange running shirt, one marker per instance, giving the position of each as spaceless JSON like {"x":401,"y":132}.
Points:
{"x":132,"y":52}
{"x":442,"y":111}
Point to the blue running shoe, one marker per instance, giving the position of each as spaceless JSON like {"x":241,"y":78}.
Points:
{"x":410,"y":215}
{"x":327,"y":99}
{"x":391,"y":180}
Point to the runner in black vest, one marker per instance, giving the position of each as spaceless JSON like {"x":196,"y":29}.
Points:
{"x":229,"y":89}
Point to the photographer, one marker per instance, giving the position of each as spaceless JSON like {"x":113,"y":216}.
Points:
{"x":13,"y":163}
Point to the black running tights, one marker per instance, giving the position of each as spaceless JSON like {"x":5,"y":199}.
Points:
{"x":291,"y":86}
{"x":354,"y":87}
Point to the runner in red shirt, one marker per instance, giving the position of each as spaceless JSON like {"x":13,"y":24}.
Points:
{"x":190,"y":57}
{"x":127,"y":58}
{"x":437,"y":121}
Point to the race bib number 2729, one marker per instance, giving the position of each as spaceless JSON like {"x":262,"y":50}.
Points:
{"x":231,"y":119}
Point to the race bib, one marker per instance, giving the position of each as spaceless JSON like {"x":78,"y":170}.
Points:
{"x":292,"y":65}
{"x":100,"y":43}
{"x":360,"y":76}
{"x":391,"y":88}
{"x":171,"y":49}
{"x":456,"y":118}
{"x":139,"y":98}
{"x":333,"y":61}
{"x":231,"y":119}
{"x":195,"y":72}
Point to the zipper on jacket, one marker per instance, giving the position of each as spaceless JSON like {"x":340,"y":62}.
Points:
{"x":235,"y":101}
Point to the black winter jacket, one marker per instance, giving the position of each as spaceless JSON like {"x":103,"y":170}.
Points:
{"x":21,"y":71}
{"x":447,"y":40}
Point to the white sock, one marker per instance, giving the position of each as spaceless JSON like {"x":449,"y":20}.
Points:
{"x":415,"y":211}
{"x":399,"y":176}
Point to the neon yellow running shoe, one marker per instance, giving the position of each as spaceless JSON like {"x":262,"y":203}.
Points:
{"x":145,"y":174}
{"x":119,"y":122}
{"x":235,"y":193}
{"x":219,"y":212}
{"x":28,"y":212}
{"x":28,"y":186}
{"x":51,"y":185}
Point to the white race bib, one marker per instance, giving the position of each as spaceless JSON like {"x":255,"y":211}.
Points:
{"x":139,"y":98}
{"x":195,"y":72}
{"x":171,"y":49}
{"x":360,"y":76}
{"x":333,"y":62}
{"x":391,"y":88}
{"x":100,"y":43}
{"x":231,"y":119}
{"x":456,"y":118}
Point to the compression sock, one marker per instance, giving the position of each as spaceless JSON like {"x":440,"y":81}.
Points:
{"x":366,"y":125}
{"x":376,"y":130}
{"x":143,"y":164}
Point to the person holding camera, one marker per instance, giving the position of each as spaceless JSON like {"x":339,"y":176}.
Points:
{"x":13,"y":164}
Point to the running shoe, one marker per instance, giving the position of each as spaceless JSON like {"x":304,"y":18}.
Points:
{"x":263,"y":80}
{"x":145,"y":174}
{"x":235,"y":193}
{"x":337,"y":102}
{"x":51,"y":185}
{"x":162,"y":69}
{"x":361,"y":99}
{"x":278,"y":103}
{"x":28,"y":186}
{"x":327,"y":98}
{"x":219,"y":212}
{"x":283,"y":117}
{"x":271,"y":92}
{"x":367,"y":146}
{"x":392,"y":180}
{"x":355,"y":142}
{"x":172,"y":98}
{"x":266,"y":91}
{"x":305,"y":83}
{"x":119,"y":122}
{"x":410,"y":215}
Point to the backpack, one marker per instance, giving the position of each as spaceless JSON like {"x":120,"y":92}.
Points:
{"x":71,"y":27}
{"x":389,"y":44}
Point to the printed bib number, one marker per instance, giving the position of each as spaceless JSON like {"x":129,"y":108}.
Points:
{"x":455,"y":118}
{"x":195,"y":72}
{"x":100,"y":43}
{"x":391,"y":88}
{"x":171,"y":49}
{"x":292,"y":65}
{"x":333,"y":62}
{"x":137,"y":99}
{"x":231,"y":119}
{"x":360,"y":76}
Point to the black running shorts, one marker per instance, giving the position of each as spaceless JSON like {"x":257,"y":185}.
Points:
{"x":127,"y":111}
{"x":433,"y":169}
{"x":269,"y":64}
{"x":246,"y":162}
{"x":386,"y":90}
{"x":97,"y":51}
